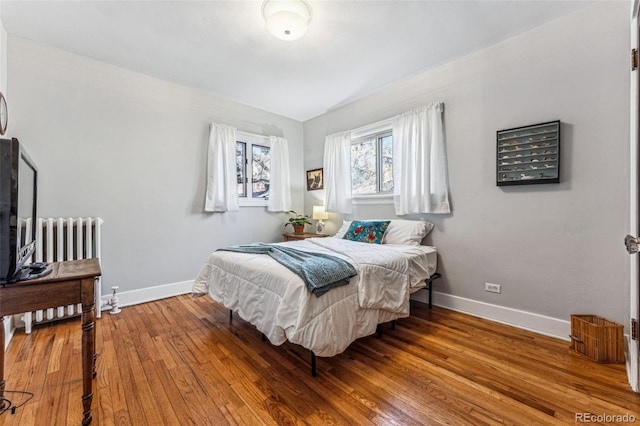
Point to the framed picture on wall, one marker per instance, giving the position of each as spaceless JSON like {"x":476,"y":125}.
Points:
{"x":314,"y":179}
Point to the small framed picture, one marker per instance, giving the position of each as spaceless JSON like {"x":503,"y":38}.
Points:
{"x":314,"y":179}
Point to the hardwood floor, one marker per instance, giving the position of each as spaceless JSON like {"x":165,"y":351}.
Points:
{"x":181,"y":361}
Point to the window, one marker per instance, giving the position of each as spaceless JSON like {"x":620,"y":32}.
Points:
{"x":260,"y":171}
{"x":241,"y":161}
{"x":372,"y":164}
{"x":253,"y":158}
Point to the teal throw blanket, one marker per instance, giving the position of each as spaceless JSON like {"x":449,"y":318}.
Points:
{"x":320,"y":272}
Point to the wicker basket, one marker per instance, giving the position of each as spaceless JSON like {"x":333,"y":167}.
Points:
{"x":598,"y":338}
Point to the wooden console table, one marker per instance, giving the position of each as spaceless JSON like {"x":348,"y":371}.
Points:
{"x":68,"y":283}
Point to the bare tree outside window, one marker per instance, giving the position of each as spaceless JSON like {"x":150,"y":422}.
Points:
{"x":261,"y":171}
{"x":372,"y":164}
{"x":386,"y":144}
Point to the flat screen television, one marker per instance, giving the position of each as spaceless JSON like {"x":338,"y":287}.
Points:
{"x":18,"y":213}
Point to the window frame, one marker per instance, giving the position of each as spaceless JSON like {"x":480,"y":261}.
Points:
{"x":378,"y":135}
{"x":250,"y":139}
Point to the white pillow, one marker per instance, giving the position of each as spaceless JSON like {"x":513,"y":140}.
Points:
{"x":343,"y":229}
{"x":406,"y":232}
{"x":400,"y":231}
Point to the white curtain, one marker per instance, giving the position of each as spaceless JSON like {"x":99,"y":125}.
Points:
{"x":222,"y":191}
{"x":279,"y":186}
{"x":420,"y":176}
{"x":337,"y":173}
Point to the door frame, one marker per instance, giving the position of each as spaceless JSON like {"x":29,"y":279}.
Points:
{"x":634,"y":129}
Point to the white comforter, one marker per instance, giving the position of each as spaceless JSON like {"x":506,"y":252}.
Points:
{"x":276,"y":301}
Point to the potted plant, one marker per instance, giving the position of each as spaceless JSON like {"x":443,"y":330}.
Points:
{"x":298,"y":221}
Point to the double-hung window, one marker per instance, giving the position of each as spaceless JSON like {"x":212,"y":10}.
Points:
{"x":372,"y":164}
{"x":414,"y":140}
{"x":253,"y":169}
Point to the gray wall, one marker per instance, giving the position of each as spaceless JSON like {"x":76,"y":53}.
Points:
{"x":555,"y":249}
{"x":131,"y":148}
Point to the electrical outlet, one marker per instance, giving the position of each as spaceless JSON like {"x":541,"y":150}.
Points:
{"x":493,"y":288}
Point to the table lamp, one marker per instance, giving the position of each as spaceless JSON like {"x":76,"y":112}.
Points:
{"x":319,"y":214}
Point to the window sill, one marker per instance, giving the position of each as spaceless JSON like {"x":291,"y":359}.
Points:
{"x":253,"y":203}
{"x":377,"y":199}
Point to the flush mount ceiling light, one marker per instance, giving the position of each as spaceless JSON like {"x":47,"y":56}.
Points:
{"x":286,"y":19}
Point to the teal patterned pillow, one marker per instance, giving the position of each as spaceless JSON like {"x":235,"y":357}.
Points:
{"x":370,"y":231}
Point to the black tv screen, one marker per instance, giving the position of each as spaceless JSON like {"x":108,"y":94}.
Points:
{"x":18,"y":202}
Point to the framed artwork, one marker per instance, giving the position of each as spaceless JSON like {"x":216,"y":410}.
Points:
{"x":528,"y":155}
{"x":314,"y":179}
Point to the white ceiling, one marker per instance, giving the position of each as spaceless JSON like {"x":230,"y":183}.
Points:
{"x":352,"y":48}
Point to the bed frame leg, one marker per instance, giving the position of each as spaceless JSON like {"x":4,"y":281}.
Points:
{"x":379,"y":331}
{"x":314,"y":372}
{"x":393,"y":324}
{"x":230,"y":315}
{"x":429,"y":282}
{"x":264,"y":338}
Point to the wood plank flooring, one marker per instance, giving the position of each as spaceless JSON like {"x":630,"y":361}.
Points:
{"x":180,"y":361}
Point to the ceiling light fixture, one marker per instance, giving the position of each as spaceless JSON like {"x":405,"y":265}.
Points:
{"x":286,"y":19}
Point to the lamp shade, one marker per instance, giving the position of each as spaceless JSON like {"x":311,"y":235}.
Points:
{"x":286,"y":19}
{"x":319,"y":213}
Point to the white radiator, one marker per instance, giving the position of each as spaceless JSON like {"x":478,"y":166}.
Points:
{"x":60,"y":239}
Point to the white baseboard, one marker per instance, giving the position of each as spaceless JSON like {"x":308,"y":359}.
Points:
{"x":149,"y":294}
{"x":526,"y":320}
{"x":126,"y":298}
{"x":522,"y":319}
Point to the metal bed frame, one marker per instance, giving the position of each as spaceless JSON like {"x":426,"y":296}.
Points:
{"x":429,"y":281}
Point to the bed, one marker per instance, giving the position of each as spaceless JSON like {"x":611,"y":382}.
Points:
{"x":277,"y":302}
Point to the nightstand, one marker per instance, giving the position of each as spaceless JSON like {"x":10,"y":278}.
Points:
{"x":302,"y":236}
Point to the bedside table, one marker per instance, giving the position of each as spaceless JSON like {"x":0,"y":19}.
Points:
{"x":302,"y":236}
